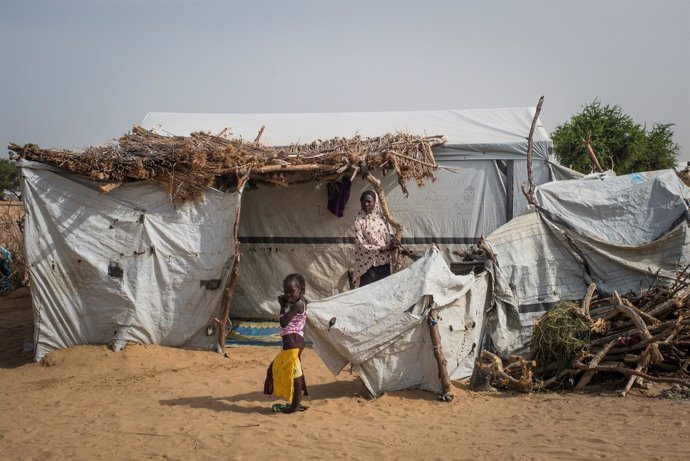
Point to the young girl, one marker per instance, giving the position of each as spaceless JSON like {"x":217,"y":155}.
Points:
{"x":285,"y":376}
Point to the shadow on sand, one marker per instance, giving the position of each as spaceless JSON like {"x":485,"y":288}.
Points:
{"x":334,"y":390}
{"x":16,"y":328}
{"x":257,"y":402}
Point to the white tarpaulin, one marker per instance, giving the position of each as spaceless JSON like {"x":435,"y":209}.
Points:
{"x":382,"y":330}
{"x":288,"y":230}
{"x":284,"y":230}
{"x":616,"y":231}
{"x":627,"y":210}
{"x":478,"y":133}
{"x":126,"y":266}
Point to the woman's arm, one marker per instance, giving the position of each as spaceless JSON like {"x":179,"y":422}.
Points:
{"x":296,"y":308}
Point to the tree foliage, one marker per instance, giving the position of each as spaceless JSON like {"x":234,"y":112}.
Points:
{"x":9,"y":177}
{"x":617,"y":139}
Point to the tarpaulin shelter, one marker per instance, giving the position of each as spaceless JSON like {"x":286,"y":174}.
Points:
{"x":620,"y":232}
{"x":382,"y":330}
{"x":130,"y":265}
{"x":288,"y":229}
{"x":123,"y":266}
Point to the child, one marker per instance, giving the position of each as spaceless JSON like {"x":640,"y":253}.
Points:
{"x":285,"y":376}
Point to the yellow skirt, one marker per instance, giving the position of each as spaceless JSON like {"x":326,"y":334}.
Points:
{"x":286,"y":368}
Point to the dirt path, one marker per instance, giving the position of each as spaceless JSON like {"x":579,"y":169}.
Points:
{"x":150,"y":402}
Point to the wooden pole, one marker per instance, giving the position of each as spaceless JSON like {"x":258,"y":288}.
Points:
{"x":590,"y":151}
{"x":510,"y":181}
{"x":639,"y":323}
{"x":446,"y":394}
{"x":395,"y":259}
{"x":258,"y":136}
{"x":596,"y":360}
{"x":587,"y":300}
{"x":529,"y":193}
{"x":109,"y":187}
{"x":232,"y":279}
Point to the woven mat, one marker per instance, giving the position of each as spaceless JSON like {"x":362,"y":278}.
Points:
{"x":249,"y":333}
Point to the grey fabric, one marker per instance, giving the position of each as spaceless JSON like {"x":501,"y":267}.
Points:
{"x":616,"y":231}
{"x":382,"y":330}
{"x":123,"y":266}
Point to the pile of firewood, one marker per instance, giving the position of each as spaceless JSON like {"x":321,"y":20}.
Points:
{"x":645,"y":337}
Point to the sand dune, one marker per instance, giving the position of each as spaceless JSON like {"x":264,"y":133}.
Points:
{"x":150,"y":402}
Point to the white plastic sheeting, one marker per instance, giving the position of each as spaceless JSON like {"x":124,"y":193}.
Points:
{"x":382,"y":329}
{"x":284,"y":230}
{"x":126,"y":266}
{"x":479,"y":133}
{"x":614,"y":231}
{"x":626,"y":210}
{"x":290,"y":230}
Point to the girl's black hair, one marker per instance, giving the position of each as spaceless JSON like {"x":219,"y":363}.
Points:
{"x":295,"y":278}
{"x":368,"y":192}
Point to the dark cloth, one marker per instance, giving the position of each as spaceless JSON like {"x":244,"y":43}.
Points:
{"x":338,"y":195}
{"x":374,"y":274}
{"x":293,"y":341}
{"x":290,"y":341}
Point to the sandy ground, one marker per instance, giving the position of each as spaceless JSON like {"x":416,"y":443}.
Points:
{"x":150,"y":402}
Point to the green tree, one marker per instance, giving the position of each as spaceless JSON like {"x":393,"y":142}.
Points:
{"x":9,"y":177}
{"x":617,"y":140}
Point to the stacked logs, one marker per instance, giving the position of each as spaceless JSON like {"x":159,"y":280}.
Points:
{"x":644,"y":337}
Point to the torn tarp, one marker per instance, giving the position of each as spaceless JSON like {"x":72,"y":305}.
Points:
{"x":382,"y":330}
{"x":615,"y":231}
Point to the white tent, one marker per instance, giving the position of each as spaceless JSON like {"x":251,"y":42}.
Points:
{"x":616,"y":231}
{"x":381,"y":329}
{"x":287,"y":230}
{"x":130,"y":266}
{"x":123,"y":266}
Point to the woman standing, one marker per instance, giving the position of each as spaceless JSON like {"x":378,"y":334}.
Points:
{"x":373,"y":242}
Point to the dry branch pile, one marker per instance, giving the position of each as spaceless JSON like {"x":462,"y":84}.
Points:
{"x":12,"y":238}
{"x":640,"y":337}
{"x":185,"y":165}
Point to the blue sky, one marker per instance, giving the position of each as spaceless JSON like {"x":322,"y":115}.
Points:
{"x":80,"y":73}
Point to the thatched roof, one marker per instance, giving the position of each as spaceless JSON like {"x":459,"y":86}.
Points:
{"x":185,"y":165}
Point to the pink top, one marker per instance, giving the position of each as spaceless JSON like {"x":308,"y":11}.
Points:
{"x":296,"y":325}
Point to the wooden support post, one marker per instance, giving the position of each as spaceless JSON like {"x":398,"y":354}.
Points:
{"x":231,"y":281}
{"x":258,"y":136}
{"x":446,"y":394}
{"x":510,"y":181}
{"x":529,"y":193}
{"x":590,"y":151}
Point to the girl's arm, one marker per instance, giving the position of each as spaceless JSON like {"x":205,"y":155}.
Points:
{"x":296,"y":308}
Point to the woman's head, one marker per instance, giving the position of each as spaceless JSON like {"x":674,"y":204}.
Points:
{"x":294,"y":287}
{"x":368,"y":201}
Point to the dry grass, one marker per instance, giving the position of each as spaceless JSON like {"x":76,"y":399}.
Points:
{"x":559,"y":336}
{"x":185,"y":165}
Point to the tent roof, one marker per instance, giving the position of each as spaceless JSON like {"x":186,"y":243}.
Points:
{"x":463,"y":128}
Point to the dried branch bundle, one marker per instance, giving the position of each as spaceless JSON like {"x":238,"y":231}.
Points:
{"x":185,"y":165}
{"x":640,"y":337}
